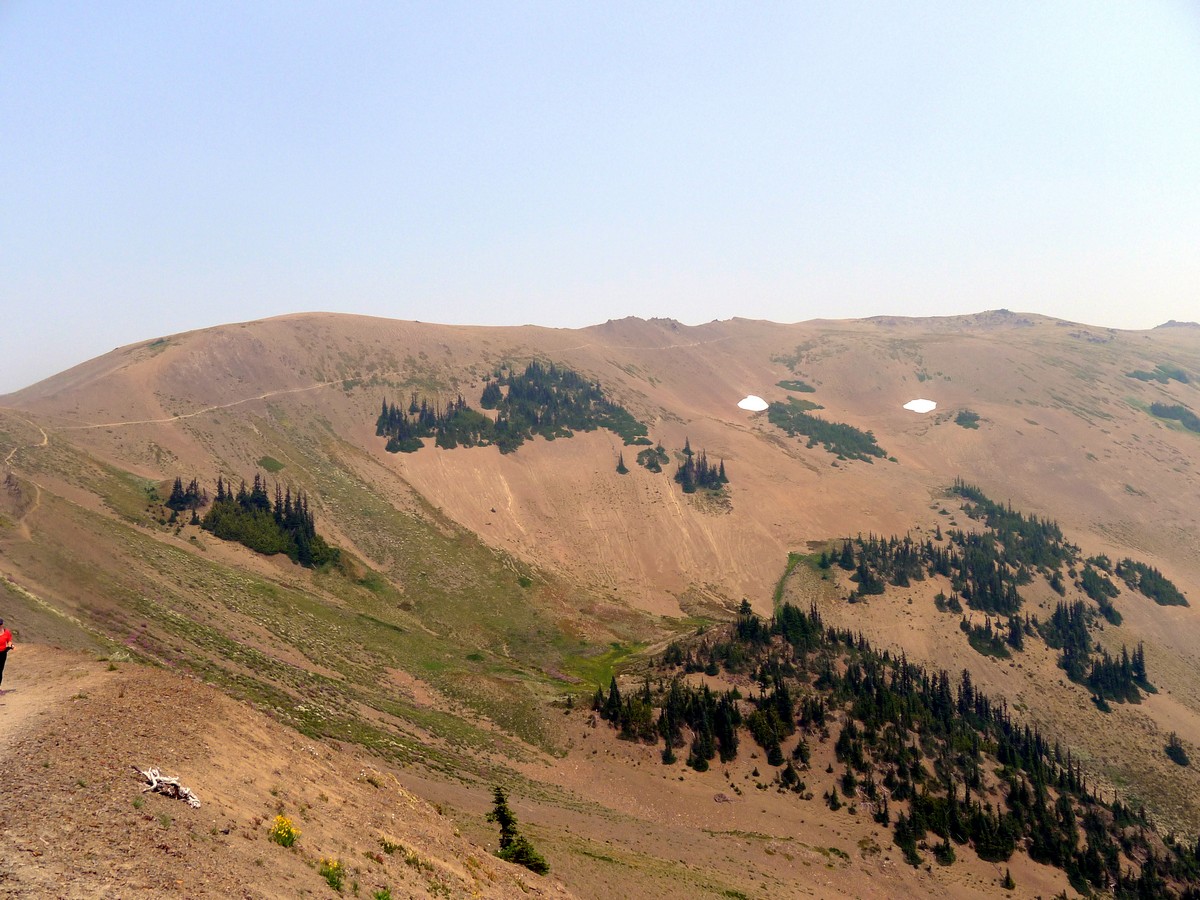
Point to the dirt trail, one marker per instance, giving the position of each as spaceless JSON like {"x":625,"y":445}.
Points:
{"x":44,"y":441}
{"x":22,"y":524}
{"x":37,"y":680}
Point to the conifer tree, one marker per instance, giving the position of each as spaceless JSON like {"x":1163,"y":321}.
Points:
{"x":514,"y":846}
{"x":612,"y":707}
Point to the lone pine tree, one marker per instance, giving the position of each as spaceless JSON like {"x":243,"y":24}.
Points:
{"x":514,"y":846}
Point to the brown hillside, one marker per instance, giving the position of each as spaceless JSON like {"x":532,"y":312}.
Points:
{"x":478,"y":588}
{"x":75,"y":822}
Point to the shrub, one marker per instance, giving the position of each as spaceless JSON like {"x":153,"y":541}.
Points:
{"x":283,"y":832}
{"x":333,"y":872}
{"x":1175,"y":752}
{"x":521,"y":852}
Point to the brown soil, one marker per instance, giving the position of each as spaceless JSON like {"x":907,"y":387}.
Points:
{"x":75,"y":823}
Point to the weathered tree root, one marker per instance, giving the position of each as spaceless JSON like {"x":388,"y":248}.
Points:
{"x":167,"y":786}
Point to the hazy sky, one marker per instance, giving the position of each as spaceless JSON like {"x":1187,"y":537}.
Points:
{"x":168,"y":166}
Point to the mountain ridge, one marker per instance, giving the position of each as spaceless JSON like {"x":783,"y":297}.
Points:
{"x":500,"y":581}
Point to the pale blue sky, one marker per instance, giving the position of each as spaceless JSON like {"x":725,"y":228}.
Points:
{"x":167,"y":166}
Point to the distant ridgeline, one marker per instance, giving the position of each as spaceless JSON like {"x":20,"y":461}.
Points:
{"x":930,"y":755}
{"x":542,"y":400}
{"x":284,"y":526}
{"x":986,"y":569}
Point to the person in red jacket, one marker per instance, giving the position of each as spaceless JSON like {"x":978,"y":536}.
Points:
{"x":5,"y":646}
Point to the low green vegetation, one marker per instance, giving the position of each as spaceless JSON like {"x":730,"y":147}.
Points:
{"x":436,"y":594}
{"x":598,"y":667}
{"x":544,"y":400}
{"x":653,"y":458}
{"x":270,"y":464}
{"x":795,"y":384}
{"x":334,"y":873}
{"x":1181,"y":414}
{"x":1162,"y":373}
{"x":283,"y":831}
{"x":967,"y":419}
{"x":845,"y":441}
{"x":803,"y":405}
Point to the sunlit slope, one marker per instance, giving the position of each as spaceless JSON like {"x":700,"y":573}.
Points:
{"x":1063,"y":431}
{"x":480,"y":587}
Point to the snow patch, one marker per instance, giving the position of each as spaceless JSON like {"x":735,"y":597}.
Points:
{"x":921,"y":406}
{"x":752,"y":403}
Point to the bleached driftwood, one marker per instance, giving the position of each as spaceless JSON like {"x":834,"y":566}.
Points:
{"x":167,"y":786}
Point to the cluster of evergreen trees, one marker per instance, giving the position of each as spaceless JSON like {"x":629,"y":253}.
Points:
{"x":931,"y":754}
{"x":1150,"y":582}
{"x":1098,"y":586}
{"x":979,"y":569}
{"x":711,"y":719}
{"x":544,"y":400}
{"x":1109,"y":678}
{"x":514,"y":846}
{"x":994,"y":641}
{"x":986,"y":569}
{"x":552,"y":401}
{"x":455,"y":425}
{"x":283,"y":526}
{"x":1027,"y":540}
{"x":844,"y":440}
{"x":697,"y":472}
{"x":193,"y":497}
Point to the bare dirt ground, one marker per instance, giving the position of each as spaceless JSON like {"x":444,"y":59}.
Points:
{"x":75,"y":823}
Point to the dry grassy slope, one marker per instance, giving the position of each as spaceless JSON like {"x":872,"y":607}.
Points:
{"x":74,"y":724}
{"x":1061,"y":434}
{"x":74,"y":822}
